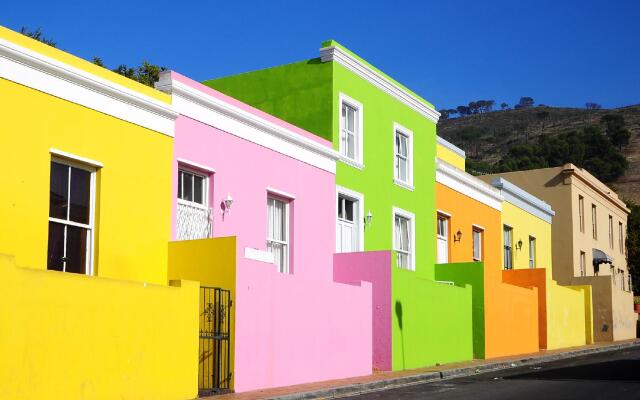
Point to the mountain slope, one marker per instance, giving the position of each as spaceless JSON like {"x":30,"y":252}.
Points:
{"x":487,"y":137}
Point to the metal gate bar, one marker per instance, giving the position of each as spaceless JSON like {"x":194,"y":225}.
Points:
{"x":214,"y":374}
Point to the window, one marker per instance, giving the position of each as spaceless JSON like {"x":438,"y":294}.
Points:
{"x":403,"y":153}
{"x":403,"y":239}
{"x":532,"y":252}
{"x":610,"y":231}
{"x":442,"y":239}
{"x":581,"y":212}
{"x":508,"y":247}
{"x":71,"y":199}
{"x":351,"y":129}
{"x":477,"y":244}
{"x":348,"y":224}
{"x":278,"y":232}
{"x":194,"y":220}
{"x":594,"y":221}
{"x":620,"y":280}
{"x":583,"y":264}
{"x":192,"y":188}
{"x":620,"y":237}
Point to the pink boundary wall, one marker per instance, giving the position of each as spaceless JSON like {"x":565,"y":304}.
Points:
{"x":295,"y":328}
{"x":374,"y":267}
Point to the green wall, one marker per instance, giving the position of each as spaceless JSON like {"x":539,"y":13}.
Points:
{"x":471,"y":275}
{"x":436,"y":324}
{"x":299,"y":93}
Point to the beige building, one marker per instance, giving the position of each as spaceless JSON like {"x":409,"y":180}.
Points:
{"x":589,"y":234}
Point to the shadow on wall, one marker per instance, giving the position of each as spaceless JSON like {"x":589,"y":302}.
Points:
{"x":398,"y":309}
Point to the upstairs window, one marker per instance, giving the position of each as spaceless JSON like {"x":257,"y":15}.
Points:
{"x":403,"y":156}
{"x":350,"y":146}
{"x":192,"y":188}
{"x":508,"y":247}
{"x":581,"y":212}
{"x":71,"y":219}
{"x":620,"y":237}
{"x":477,"y":244}
{"x":278,"y":232}
{"x":610,"y":231}
{"x":583,"y":263}
{"x":594,"y":221}
{"x":532,"y":252}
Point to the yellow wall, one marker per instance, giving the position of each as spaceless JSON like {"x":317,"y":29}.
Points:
{"x":212,"y":262}
{"x":567,"y":317}
{"x":69,"y":336}
{"x":133,"y":207}
{"x":450,"y":156}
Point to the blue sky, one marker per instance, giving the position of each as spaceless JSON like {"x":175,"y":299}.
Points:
{"x":563,"y":52}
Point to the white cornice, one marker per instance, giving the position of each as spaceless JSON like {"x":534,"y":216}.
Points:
{"x":32,"y":69}
{"x":333,"y":53}
{"x":220,"y":114}
{"x":451,"y":147}
{"x":468,"y":185}
{"x":523,"y":199}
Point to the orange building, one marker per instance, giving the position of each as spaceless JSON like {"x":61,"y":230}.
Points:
{"x":469,"y":252}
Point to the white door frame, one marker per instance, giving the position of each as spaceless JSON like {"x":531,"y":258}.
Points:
{"x":359,"y":220}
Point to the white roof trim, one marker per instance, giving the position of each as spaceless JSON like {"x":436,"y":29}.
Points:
{"x":217,"y":113}
{"x":32,"y":69}
{"x":468,"y":185}
{"x":523,"y":199}
{"x":451,"y":147}
{"x":333,"y":53}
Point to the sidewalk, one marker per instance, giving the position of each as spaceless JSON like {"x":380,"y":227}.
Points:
{"x":382,"y":380}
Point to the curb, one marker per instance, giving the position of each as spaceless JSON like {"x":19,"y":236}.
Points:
{"x":427,"y":377}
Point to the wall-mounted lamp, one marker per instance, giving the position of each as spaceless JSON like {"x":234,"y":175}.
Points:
{"x":368,"y":218}
{"x":519,"y":245}
{"x":228,"y":202}
{"x":458,"y":236}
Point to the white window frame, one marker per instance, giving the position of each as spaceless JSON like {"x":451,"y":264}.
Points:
{"x":507,"y":265}
{"x":89,"y":266}
{"x":358,"y":161}
{"x":480,"y":230}
{"x":359,"y":197}
{"x":532,"y":252}
{"x":583,"y":263}
{"x":205,"y":186}
{"x":581,"y":212}
{"x":611,"y":241}
{"x":399,"y":129}
{"x":412,"y":234}
{"x":287,"y":234}
{"x":621,"y":237}
{"x":594,"y":221}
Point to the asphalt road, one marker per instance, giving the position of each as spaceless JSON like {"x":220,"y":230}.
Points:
{"x":613,"y":375}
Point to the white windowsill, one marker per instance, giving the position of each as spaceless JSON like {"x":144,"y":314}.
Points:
{"x":259,"y":255}
{"x":403,"y":184}
{"x":351,"y":162}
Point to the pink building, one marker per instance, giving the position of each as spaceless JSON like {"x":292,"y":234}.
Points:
{"x":241,"y":172}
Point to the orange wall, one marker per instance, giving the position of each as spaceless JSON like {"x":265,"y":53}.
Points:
{"x":511,"y":311}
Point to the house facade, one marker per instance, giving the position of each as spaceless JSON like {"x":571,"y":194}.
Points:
{"x":588,"y":234}
{"x":239,"y":172}
{"x":468,"y":237}
{"x":385,"y":137}
{"x":526,"y":240}
{"x":83,"y":266}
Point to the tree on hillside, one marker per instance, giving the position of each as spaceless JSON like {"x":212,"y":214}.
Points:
{"x":614,"y":128}
{"x":504,"y":106}
{"x":601,"y":157}
{"x":592,"y":106}
{"x":633,"y":245}
{"x":444,"y":114}
{"x":542,"y":117}
{"x":37,"y":35}
{"x":463,"y":110}
{"x":525,"y":102}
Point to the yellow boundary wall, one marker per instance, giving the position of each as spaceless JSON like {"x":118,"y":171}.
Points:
{"x":69,"y":336}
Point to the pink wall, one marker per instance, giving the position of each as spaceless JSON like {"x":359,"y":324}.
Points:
{"x":373,"y":267}
{"x":293,"y":328}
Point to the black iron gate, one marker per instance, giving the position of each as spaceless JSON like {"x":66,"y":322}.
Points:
{"x":214,"y":373}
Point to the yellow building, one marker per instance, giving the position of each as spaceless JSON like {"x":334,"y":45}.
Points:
{"x":566,"y":312}
{"x":85,"y":205}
